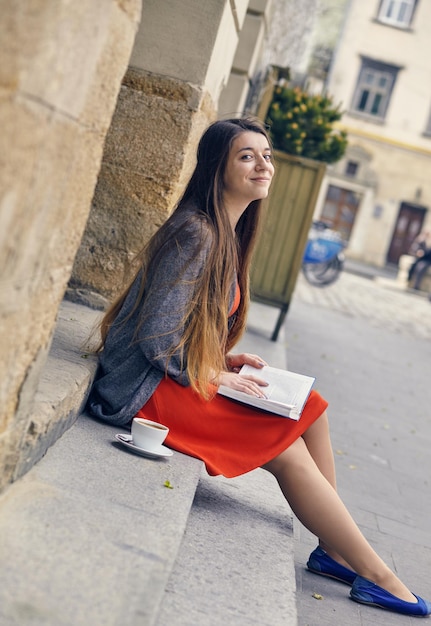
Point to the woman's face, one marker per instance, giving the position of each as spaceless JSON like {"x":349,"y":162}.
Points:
{"x":249,"y":171}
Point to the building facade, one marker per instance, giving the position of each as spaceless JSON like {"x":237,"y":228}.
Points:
{"x":379,"y":195}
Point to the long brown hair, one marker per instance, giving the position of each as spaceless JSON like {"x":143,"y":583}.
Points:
{"x":206,"y":338}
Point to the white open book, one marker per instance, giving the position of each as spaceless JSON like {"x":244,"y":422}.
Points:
{"x":286,"y":393}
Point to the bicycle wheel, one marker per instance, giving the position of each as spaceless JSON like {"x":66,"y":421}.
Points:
{"x":323,"y":274}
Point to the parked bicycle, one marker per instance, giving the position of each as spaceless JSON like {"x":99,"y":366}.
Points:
{"x":323,"y":259}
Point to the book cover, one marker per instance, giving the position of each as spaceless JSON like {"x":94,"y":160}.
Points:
{"x":286,"y":393}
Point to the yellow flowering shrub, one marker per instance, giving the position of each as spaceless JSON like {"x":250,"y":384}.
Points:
{"x":303,"y":124}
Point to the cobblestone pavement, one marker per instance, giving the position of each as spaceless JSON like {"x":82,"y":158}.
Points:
{"x":378,"y":301}
{"x":368,"y":346}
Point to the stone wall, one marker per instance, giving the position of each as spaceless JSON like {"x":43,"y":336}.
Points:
{"x":67,"y":69}
{"x":149,"y":152}
{"x":61,"y":68}
{"x":180,"y":64}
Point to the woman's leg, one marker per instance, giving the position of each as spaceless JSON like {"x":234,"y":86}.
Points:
{"x":317,"y":505}
{"x":420,"y":271}
{"x":412,"y":269}
{"x":318,"y":441}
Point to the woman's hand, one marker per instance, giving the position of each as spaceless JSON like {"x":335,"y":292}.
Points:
{"x":236,"y":361}
{"x":247,"y":384}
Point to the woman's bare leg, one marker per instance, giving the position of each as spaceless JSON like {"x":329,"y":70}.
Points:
{"x":318,"y":441}
{"x":317,"y":505}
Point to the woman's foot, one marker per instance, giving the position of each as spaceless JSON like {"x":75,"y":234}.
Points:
{"x":367,"y":592}
{"x":391,"y":584}
{"x":319,"y":562}
{"x":322,"y":563}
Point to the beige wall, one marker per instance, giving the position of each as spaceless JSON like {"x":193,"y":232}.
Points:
{"x":400,"y":151}
{"x":395,"y":175}
{"x":60,"y":72}
{"x":409,"y":109}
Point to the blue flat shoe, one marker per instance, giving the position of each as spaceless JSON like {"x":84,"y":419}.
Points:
{"x":321,"y":563}
{"x":366,"y":592}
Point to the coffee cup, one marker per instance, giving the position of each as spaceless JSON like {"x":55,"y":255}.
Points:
{"x":147,"y":434}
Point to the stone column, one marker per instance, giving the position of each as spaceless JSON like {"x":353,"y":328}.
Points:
{"x":180,"y":63}
{"x":61,"y":70}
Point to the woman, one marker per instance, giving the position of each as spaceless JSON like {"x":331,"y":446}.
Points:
{"x":166,"y":347}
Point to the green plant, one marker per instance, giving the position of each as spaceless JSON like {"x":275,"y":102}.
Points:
{"x":302,"y":124}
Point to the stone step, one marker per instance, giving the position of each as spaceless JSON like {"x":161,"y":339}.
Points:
{"x":91,"y":533}
{"x":64,"y":383}
{"x":236,"y":560}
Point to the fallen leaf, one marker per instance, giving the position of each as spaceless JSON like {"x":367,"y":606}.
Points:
{"x":167,"y":484}
{"x":317,"y":596}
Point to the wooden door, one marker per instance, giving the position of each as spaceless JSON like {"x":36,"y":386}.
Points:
{"x":407,"y":227}
{"x":289,"y":212}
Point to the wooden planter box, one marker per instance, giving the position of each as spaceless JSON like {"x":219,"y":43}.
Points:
{"x":289,"y":213}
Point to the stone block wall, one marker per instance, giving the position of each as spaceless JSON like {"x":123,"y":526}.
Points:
{"x":180,"y":64}
{"x":61,"y":68}
{"x":149,"y":153}
{"x":68,"y":70}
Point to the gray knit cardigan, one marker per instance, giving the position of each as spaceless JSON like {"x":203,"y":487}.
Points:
{"x":130,"y":368}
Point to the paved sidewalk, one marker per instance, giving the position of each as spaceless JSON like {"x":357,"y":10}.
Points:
{"x":369,"y":347}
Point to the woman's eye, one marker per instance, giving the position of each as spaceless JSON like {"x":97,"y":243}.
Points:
{"x":249,"y":157}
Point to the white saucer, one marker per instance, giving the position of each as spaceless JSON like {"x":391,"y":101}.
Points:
{"x":127,"y":441}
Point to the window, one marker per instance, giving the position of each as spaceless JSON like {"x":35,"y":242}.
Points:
{"x":397,"y":12}
{"x":351,"y":168}
{"x":374,"y":88}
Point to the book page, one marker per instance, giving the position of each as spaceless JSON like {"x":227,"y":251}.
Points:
{"x":287,"y":388}
{"x":287,"y":392}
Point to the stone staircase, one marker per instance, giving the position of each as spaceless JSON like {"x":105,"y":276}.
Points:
{"x":91,"y":535}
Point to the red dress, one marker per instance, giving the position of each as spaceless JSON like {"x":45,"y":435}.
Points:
{"x":230,"y":438}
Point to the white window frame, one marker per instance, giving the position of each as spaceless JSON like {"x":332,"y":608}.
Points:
{"x":378,"y":71}
{"x":397,"y":12}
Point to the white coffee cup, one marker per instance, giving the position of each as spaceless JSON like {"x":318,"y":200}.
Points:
{"x":147,"y":434}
